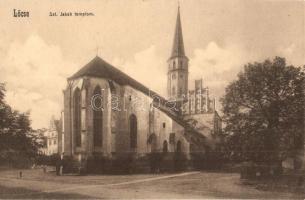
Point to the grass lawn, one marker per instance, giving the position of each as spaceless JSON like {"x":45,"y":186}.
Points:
{"x":22,"y":193}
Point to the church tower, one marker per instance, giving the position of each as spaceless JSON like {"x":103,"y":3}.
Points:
{"x":177,"y":82}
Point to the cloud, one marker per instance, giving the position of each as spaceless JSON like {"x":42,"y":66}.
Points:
{"x":287,"y":51}
{"x":35,"y":73}
{"x":147,"y":68}
{"x":292,"y":53}
{"x":217,"y":66}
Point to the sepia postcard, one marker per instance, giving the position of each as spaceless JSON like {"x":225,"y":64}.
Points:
{"x":152,"y":99}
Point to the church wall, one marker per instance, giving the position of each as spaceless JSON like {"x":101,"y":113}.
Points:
{"x":209,"y":125}
{"x":106,"y":145}
{"x":115,"y":116}
{"x":139,"y":104}
{"x":69,"y":146}
{"x":79,"y":84}
{"x":84,"y":133}
{"x":136,"y":103}
{"x":116,"y":134}
{"x":120,"y":124}
{"x":162,"y":127}
{"x":179,"y":136}
{"x":163,"y":133}
{"x":60,"y":136}
{"x":67,"y":124}
{"x":73,"y":86}
{"x":122,"y":101}
{"x":87,"y":87}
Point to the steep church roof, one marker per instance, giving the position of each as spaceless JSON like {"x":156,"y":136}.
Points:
{"x":99,"y":68}
{"x":178,"y":46}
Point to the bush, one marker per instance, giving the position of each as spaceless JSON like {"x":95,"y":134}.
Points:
{"x":50,"y":160}
{"x":14,"y":159}
{"x":250,"y":170}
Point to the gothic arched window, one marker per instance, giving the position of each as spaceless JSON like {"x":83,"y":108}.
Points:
{"x":180,"y":91}
{"x":165,"y":148}
{"x":77,"y":116}
{"x":152,"y":140}
{"x":174,"y":65}
{"x":98,"y":118}
{"x":173,"y":90}
{"x":178,"y":149}
{"x":192,"y":147}
{"x":133,"y":129}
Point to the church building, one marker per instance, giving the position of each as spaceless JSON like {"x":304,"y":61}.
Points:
{"x":111,"y":120}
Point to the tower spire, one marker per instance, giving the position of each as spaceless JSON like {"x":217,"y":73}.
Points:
{"x":177,"y":82}
{"x":178,"y":46}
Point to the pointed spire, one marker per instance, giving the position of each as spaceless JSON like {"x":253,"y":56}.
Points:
{"x":178,"y":46}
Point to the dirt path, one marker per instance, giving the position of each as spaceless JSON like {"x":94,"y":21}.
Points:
{"x":183,"y":185}
{"x":102,"y":190}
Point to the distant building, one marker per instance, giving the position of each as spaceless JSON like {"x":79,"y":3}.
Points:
{"x":201,"y":110}
{"x":198,"y":100}
{"x":42,"y":140}
{"x":60,"y":132}
{"x":51,"y":137}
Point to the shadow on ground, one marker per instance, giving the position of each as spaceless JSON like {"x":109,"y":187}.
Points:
{"x":22,"y":193}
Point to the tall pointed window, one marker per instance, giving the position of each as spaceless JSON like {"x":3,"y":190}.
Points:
{"x":165,"y":146}
{"x":77,"y":116}
{"x":174,"y":65}
{"x":180,"y":92}
{"x":98,"y":118}
{"x":173,"y":90}
{"x":133,"y":129}
{"x":152,"y":141}
{"x":178,"y":148}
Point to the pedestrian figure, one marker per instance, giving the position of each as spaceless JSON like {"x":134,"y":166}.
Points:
{"x":20,"y":174}
{"x":60,"y":170}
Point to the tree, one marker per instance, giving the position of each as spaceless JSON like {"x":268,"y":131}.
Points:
{"x":17,"y":141}
{"x":264,"y":110}
{"x":2,"y":91}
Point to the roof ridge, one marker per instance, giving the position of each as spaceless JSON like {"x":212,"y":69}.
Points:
{"x":103,"y":69}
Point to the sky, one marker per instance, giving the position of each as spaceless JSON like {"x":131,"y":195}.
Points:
{"x":39,"y":53}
